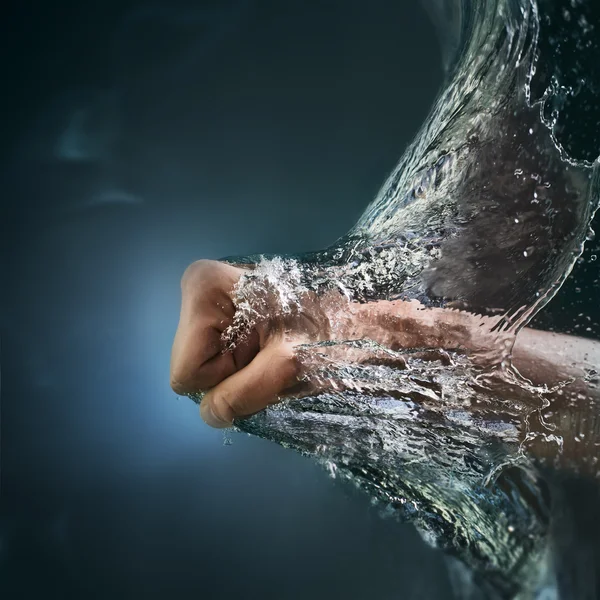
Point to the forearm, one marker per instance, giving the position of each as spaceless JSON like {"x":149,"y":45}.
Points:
{"x":409,"y":324}
{"x":565,"y":371}
{"x":550,"y":359}
{"x":545,"y":358}
{"x":567,"y":433}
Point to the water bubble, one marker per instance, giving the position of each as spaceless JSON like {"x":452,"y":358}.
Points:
{"x":584,"y":24}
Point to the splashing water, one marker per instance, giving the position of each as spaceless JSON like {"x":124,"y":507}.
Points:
{"x":486,"y":212}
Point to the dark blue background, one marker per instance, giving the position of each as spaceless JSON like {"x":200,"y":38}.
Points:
{"x":138,"y":137}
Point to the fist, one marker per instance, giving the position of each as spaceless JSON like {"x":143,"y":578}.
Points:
{"x":238,"y":382}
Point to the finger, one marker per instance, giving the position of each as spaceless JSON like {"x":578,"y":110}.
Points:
{"x":197,"y":358}
{"x":198,"y":361}
{"x":256,"y":386}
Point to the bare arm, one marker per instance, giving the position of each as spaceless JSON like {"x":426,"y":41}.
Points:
{"x":565,"y":370}
{"x":551,"y":358}
{"x":570,"y":367}
{"x":265,"y":367}
{"x":545,"y":358}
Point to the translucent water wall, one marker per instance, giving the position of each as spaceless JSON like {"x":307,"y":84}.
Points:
{"x":486,"y":214}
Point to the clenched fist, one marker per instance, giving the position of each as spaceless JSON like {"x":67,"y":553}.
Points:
{"x":264,"y":365}
{"x":260,"y":369}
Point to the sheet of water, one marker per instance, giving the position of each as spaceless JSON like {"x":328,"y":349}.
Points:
{"x":485,"y":213}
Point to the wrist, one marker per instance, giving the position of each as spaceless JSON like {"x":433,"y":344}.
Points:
{"x":394,"y":324}
{"x":409,"y":324}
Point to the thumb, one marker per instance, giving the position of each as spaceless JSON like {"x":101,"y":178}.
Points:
{"x":259,"y":384}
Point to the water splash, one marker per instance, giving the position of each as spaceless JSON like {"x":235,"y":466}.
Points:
{"x":486,"y":212}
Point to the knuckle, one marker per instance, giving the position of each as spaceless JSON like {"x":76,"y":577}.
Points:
{"x":208,"y":280}
{"x":198,"y":271}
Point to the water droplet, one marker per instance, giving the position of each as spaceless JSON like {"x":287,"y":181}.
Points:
{"x":332,"y":468}
{"x":593,"y":258}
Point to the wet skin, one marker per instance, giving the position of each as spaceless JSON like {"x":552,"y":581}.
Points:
{"x":264,"y":368}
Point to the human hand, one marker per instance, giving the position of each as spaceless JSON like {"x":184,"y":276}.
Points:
{"x":261,"y":367}
{"x":265,"y":365}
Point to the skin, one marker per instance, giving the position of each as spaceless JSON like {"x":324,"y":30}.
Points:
{"x":265,"y":368}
